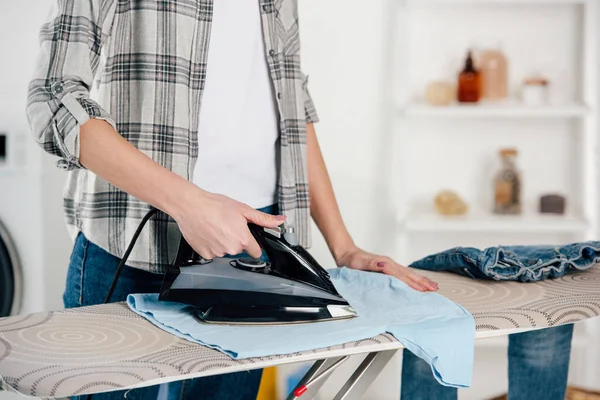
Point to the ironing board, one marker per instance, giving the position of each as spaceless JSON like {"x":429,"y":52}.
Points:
{"x":103,"y":348}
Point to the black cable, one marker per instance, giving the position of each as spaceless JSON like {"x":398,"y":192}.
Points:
{"x":127,"y":252}
{"x":113,"y":285}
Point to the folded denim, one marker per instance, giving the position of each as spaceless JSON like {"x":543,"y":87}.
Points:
{"x":514,"y":263}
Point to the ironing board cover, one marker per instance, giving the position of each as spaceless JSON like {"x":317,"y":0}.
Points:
{"x":108,"y":347}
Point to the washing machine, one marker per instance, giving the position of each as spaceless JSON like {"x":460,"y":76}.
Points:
{"x":11,"y":290}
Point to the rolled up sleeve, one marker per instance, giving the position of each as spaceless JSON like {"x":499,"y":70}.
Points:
{"x":58,"y":101}
{"x":309,"y":105}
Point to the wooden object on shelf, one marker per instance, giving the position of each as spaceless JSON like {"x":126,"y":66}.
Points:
{"x":448,"y":202}
{"x":440,"y":94}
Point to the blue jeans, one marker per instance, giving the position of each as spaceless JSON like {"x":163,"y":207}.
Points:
{"x":514,"y":263}
{"x":538,"y":365}
{"x":90,"y":274}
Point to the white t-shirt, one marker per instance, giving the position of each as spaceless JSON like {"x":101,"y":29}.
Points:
{"x":239,"y":121}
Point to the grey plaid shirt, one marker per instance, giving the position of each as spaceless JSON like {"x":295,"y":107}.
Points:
{"x":140,"y":65}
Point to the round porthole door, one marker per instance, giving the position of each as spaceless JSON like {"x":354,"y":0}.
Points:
{"x":10,"y":275}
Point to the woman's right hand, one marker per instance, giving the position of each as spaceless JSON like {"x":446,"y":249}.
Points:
{"x":216,"y":225}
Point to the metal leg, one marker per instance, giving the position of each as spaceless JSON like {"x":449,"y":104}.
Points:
{"x":364,"y":375}
{"x":317,"y":368}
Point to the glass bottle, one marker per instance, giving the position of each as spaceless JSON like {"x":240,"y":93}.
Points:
{"x":507,"y":185}
{"x":494,"y":71}
{"x":469,"y":82}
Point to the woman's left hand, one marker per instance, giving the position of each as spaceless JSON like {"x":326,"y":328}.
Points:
{"x":359,"y":259}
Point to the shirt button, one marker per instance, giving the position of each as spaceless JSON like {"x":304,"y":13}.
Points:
{"x":279,"y":95}
{"x":272,"y":53}
{"x":63,"y":164}
{"x":265,"y":8}
{"x":58,"y":89}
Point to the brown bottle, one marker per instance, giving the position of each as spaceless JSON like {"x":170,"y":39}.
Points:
{"x":469,"y":82}
{"x":507,"y":185}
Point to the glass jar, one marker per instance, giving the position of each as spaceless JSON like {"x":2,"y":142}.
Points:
{"x":507,"y":185}
{"x":535,"y":91}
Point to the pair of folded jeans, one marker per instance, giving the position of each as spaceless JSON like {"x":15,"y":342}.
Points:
{"x":514,"y":263}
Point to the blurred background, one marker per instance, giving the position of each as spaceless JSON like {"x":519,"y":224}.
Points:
{"x":424,"y":105}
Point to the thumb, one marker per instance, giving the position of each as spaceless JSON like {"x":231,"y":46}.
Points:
{"x":262,"y":219}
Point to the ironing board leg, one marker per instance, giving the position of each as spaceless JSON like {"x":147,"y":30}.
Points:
{"x":317,"y":368}
{"x":364,"y":375}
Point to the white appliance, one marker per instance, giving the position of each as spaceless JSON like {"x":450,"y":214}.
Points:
{"x":11,"y":290}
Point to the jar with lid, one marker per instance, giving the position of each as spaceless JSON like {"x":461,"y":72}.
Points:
{"x":507,"y":184}
{"x":535,"y":91}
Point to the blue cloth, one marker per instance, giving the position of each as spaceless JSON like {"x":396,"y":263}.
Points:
{"x":428,"y":324}
{"x":538,"y":368}
{"x":514,"y":263}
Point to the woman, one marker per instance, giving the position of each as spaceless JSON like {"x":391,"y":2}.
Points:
{"x":203,"y":112}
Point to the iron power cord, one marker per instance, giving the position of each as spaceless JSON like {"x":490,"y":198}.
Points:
{"x":137,"y":233}
{"x":134,"y":239}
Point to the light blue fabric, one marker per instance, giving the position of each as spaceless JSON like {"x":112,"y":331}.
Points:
{"x":428,"y":324}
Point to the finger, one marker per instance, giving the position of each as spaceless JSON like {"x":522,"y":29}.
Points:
{"x":415,"y":285}
{"x":253,"y":249}
{"x":423,"y":281}
{"x":411,"y":283}
{"x":399,"y":272}
{"x":205,"y":254}
{"x":263,"y":219}
{"x":433,"y":285}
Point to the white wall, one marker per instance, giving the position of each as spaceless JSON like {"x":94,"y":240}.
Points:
{"x":30,"y":197}
{"x":343,"y":54}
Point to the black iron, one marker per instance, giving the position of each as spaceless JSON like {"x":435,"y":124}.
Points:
{"x":287,"y":286}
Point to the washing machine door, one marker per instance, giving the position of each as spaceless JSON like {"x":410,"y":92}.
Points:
{"x":10,"y":275}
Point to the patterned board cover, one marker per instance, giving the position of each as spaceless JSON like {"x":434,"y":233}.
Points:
{"x":104,"y":348}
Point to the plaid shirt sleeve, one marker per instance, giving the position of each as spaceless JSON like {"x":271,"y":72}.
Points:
{"x":58,"y":101}
{"x":309,"y":105}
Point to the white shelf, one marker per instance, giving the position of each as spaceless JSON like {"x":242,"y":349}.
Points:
{"x":498,"y":2}
{"x":495,"y":110}
{"x":431,"y":222}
